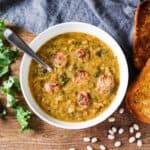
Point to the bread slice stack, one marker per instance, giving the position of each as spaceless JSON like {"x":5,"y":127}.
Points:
{"x":138,"y":94}
{"x":141,"y":38}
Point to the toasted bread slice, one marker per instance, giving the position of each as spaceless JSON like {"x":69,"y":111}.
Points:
{"x":141,"y":36}
{"x":138,"y":95}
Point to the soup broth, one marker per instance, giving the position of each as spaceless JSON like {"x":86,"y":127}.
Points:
{"x":84,"y":80}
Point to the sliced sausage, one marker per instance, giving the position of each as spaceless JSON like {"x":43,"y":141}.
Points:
{"x":51,"y":87}
{"x":105,"y":83}
{"x":83,"y":99}
{"x":80,"y":77}
{"x":81,"y":54}
{"x":59,"y":60}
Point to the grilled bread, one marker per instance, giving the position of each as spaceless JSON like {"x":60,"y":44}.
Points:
{"x":141,"y":37}
{"x":138,"y":95}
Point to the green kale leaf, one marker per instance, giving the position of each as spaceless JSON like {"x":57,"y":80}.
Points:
{"x":23,"y":116}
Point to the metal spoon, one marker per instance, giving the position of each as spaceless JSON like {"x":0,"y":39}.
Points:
{"x":14,"y":39}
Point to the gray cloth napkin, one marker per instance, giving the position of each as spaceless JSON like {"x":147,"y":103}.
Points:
{"x":113,"y":16}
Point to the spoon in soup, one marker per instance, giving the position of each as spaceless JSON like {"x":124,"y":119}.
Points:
{"x":14,"y":39}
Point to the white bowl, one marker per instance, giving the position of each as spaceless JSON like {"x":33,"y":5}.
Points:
{"x":74,"y":27}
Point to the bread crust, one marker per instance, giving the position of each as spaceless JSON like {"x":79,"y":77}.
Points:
{"x":138,"y":95}
{"x":141,"y":35}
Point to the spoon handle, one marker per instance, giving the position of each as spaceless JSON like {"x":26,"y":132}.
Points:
{"x":20,"y":44}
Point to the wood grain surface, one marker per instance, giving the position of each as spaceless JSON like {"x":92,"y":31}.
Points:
{"x":47,"y":137}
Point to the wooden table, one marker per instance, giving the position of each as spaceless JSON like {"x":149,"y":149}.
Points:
{"x":47,"y":137}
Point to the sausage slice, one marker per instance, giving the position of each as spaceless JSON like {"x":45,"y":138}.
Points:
{"x":83,"y":99}
{"x":80,"y":77}
{"x":59,"y":60}
{"x":105,"y":83}
{"x":81,"y":54}
{"x":51,"y":87}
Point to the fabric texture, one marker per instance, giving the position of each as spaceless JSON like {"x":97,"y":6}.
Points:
{"x":113,"y":16}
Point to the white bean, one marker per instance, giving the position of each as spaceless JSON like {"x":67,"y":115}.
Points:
{"x":111,"y":119}
{"x":102,"y":147}
{"x":139,"y":143}
{"x":72,"y":148}
{"x":132,"y":139}
{"x":89,"y":147}
{"x":117,"y":144}
{"x":136,"y":127}
{"x":138,"y":135}
{"x":110,"y":137}
{"x":84,"y":42}
{"x":110,"y":132}
{"x":86,"y":139}
{"x":121,"y":110}
{"x":131,"y":130}
{"x":114,"y":129}
{"x":121,"y":131}
{"x":94,"y":140}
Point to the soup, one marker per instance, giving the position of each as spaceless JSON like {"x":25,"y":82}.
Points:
{"x":84,"y":80}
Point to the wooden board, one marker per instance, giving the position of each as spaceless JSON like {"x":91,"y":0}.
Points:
{"x":47,"y":137}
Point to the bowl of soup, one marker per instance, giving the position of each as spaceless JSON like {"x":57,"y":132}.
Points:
{"x":89,"y":76}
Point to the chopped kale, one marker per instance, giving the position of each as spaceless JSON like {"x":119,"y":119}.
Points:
{"x":97,"y":72}
{"x":100,"y":53}
{"x":63,"y":79}
{"x":23,"y":117}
